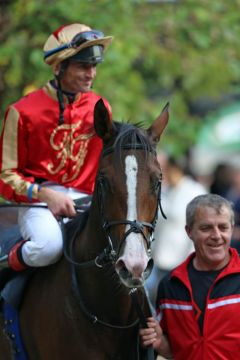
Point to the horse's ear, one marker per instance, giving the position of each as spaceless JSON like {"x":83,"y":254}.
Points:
{"x":156,"y":129}
{"x":102,"y":121}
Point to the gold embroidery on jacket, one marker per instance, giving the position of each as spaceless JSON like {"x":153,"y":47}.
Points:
{"x":69,"y":146}
{"x":10,"y":140}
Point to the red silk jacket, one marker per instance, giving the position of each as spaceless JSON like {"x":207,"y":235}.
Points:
{"x":178,"y":314}
{"x":34,"y":146}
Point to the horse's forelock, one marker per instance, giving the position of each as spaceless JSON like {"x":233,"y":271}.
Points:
{"x":134,"y":135}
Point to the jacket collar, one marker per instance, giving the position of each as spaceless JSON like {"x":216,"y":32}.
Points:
{"x":181,"y":271}
{"x":51,"y":90}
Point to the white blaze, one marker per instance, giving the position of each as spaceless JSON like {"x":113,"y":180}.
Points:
{"x":131,"y":170}
{"x":134,"y":255}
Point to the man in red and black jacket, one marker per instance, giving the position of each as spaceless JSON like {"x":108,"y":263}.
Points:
{"x":198,"y":303}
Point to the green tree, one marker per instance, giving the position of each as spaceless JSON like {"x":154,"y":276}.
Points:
{"x":180,"y":51}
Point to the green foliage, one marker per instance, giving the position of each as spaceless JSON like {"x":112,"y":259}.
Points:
{"x":179,"y":52}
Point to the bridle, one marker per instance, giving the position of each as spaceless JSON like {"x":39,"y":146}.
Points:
{"x":109,"y":253}
{"x":134,"y":226}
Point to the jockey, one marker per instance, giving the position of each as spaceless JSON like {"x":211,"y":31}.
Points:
{"x":49,"y":151}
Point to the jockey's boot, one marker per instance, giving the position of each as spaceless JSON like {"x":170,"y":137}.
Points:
{"x":14,"y":259}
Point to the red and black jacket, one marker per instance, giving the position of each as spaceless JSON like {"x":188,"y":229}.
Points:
{"x":178,"y":314}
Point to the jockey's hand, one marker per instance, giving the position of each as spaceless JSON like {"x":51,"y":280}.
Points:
{"x":59,"y":203}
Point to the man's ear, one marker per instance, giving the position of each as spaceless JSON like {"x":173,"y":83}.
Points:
{"x":56,"y":69}
{"x":188,"y":231}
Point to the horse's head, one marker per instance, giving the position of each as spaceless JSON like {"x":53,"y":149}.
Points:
{"x":128,"y":187}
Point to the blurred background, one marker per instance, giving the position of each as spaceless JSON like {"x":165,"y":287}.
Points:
{"x":183,"y":51}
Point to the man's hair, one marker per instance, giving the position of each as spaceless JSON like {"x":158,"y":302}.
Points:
{"x":214,"y":201}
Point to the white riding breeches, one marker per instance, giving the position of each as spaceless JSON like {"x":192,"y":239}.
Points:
{"x":41,"y":228}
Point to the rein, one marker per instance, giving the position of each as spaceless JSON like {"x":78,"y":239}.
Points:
{"x":142,"y":318}
{"x":109,"y":254}
{"x":80,"y":204}
{"x":93,"y":318}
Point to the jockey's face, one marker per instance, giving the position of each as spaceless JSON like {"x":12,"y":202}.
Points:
{"x":78,"y":77}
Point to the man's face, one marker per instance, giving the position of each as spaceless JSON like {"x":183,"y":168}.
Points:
{"x":211,"y":234}
{"x":78,"y":77}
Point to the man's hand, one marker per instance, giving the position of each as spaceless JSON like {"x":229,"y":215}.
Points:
{"x":59,"y":203}
{"x":153,"y":336}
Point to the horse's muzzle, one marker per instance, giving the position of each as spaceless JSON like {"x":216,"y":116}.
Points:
{"x":134,"y":277}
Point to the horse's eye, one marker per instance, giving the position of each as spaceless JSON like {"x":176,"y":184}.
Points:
{"x":105,"y":183}
{"x":155,"y":185}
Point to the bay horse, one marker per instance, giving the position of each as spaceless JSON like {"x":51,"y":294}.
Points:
{"x":80,"y":307}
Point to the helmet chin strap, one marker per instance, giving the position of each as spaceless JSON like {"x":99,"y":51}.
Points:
{"x":60,"y":99}
{"x":58,"y":78}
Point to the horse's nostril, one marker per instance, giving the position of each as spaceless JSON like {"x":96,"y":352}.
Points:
{"x":119,"y":264}
{"x":124,"y":273}
{"x":148,"y":269}
{"x":131,"y":279}
{"x":121,"y":269}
